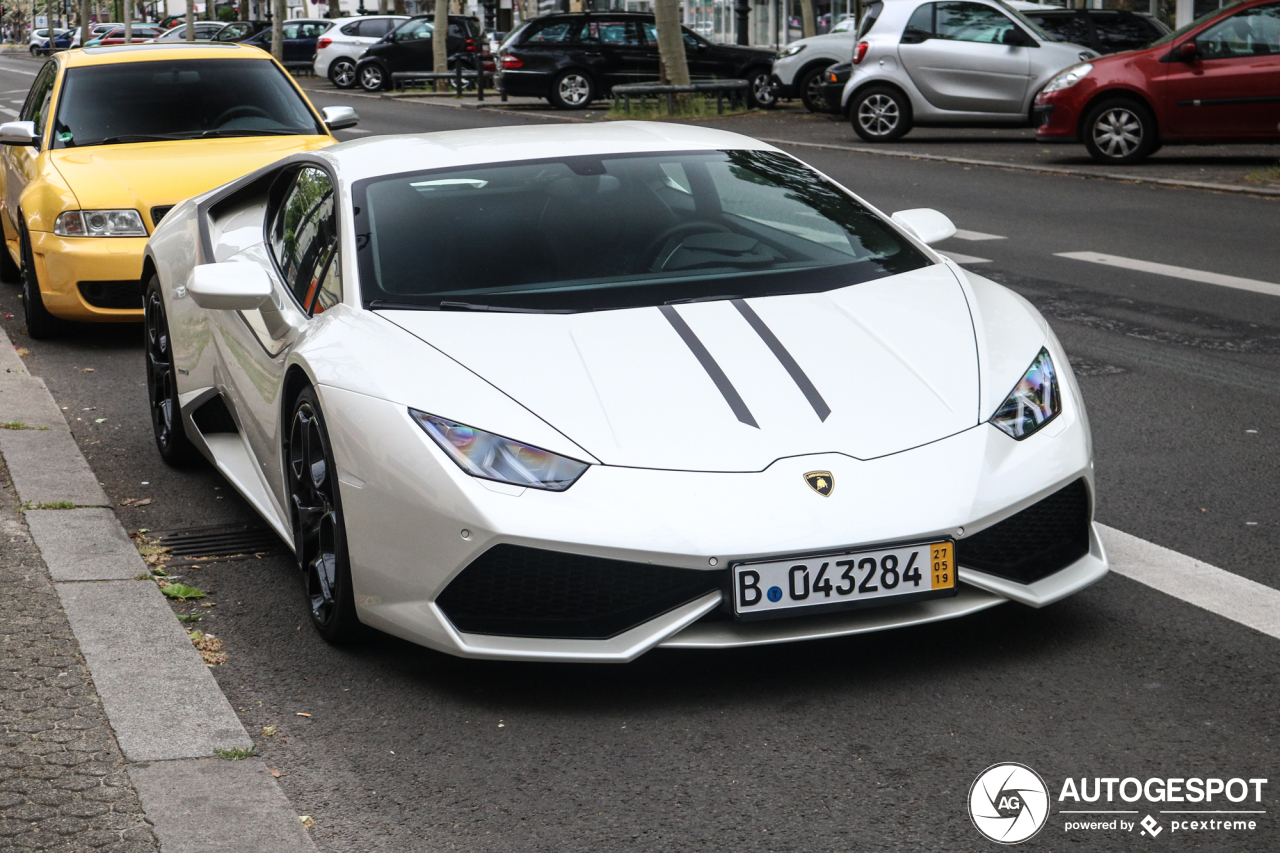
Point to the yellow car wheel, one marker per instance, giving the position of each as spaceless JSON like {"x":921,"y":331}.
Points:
{"x":10,"y":272}
{"x":40,"y":323}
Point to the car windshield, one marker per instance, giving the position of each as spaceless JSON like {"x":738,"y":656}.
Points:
{"x":1026,"y":22}
{"x":620,"y":231}
{"x":178,"y":99}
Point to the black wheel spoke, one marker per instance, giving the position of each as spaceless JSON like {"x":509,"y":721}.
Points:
{"x":315,"y":517}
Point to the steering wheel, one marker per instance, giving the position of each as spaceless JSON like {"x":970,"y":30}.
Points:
{"x":682,"y":229}
{"x":241,"y":111}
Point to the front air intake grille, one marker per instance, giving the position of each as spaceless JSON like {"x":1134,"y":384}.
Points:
{"x":1047,"y":536}
{"x":112,"y":294}
{"x":160,"y":212}
{"x":514,"y":591}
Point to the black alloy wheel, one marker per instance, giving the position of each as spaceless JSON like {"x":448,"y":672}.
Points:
{"x":319,"y":534}
{"x":880,"y":114}
{"x":342,"y":72}
{"x":760,"y":94}
{"x":40,"y":323}
{"x":1119,"y":131}
{"x":810,"y":88}
{"x":175,"y":447}
{"x":372,"y":78}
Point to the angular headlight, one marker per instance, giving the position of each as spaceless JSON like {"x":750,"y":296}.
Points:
{"x":492,"y":457}
{"x":100,"y":223}
{"x":791,"y":50}
{"x":1033,"y":402}
{"x":1067,"y":78}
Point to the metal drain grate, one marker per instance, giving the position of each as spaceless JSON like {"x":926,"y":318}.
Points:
{"x":194,"y":545}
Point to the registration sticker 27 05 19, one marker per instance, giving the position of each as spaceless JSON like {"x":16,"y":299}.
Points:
{"x":844,"y":581}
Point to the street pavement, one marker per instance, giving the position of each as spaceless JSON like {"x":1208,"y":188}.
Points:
{"x":866,"y":742}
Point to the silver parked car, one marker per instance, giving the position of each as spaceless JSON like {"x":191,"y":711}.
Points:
{"x":953,"y":62}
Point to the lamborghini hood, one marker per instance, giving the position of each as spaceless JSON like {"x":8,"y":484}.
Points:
{"x":867,"y":370}
{"x":142,"y":175}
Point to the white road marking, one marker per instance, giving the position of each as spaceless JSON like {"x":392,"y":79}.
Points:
{"x":962,"y":234}
{"x":9,"y":112}
{"x":1176,"y":272}
{"x":963,"y":259}
{"x":1228,"y":595}
{"x":13,"y":91}
{"x":18,"y":71}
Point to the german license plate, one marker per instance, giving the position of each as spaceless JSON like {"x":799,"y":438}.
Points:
{"x":844,"y":581}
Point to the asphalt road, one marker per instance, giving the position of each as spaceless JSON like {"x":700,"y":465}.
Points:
{"x":863,"y":743}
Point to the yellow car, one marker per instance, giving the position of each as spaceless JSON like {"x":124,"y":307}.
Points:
{"x":110,"y":139}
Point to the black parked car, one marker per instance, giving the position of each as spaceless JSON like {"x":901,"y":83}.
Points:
{"x":242,"y":31}
{"x":833,"y":80}
{"x":1104,"y":30}
{"x":409,"y":48}
{"x":572,"y":59}
{"x":300,"y":37}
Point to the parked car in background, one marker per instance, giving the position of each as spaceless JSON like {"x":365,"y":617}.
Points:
{"x":955,"y":62}
{"x":241,"y":30}
{"x":1215,"y":80}
{"x":798,"y":70}
{"x":340,"y":48}
{"x":409,"y":48}
{"x":61,"y":40}
{"x":38,"y":38}
{"x":572,"y":59}
{"x":142,"y":33}
{"x":833,"y":80}
{"x":1103,"y":30}
{"x":95,"y":30}
{"x":300,"y":37}
{"x":205,"y":31}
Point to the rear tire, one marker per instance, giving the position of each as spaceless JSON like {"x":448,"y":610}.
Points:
{"x":372,"y":78}
{"x":880,"y":114}
{"x":10,"y":270}
{"x":810,"y":88}
{"x":342,"y":73}
{"x":572,"y":90}
{"x":1120,"y":131}
{"x":319,"y":532}
{"x":760,"y":95}
{"x":175,"y":447}
{"x":41,"y":325}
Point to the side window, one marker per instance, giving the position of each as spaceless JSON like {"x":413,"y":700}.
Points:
{"x":304,"y":240}
{"x":869,"y":19}
{"x":1122,"y":31}
{"x":605,"y":32}
{"x":416,"y":30}
{"x":1253,"y":32}
{"x":1072,"y":27}
{"x":354,"y":28}
{"x":556,"y":33}
{"x":374,"y":29}
{"x":690,"y":40}
{"x":649,"y":34}
{"x":971,"y":22}
{"x":920,"y":27}
{"x":312,"y":31}
{"x":36,"y":108}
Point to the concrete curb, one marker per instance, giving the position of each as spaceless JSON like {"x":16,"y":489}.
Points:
{"x":164,"y":706}
{"x":1045,"y":170}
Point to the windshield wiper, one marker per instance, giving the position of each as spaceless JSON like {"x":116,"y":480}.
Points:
{"x":716,"y":298}
{"x":130,"y":137}
{"x":471,"y":306}
{"x":248,"y":131}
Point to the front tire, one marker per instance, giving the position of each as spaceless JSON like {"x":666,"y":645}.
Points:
{"x":342,"y":73}
{"x":572,"y":90}
{"x":1119,"y":131}
{"x":41,"y":325}
{"x":372,"y":78}
{"x":10,"y":270}
{"x":175,"y":447}
{"x":810,"y":88}
{"x":760,"y":95}
{"x":880,"y":114}
{"x":319,"y":533}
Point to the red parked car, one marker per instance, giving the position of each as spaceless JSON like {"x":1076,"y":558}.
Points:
{"x":1215,"y":80}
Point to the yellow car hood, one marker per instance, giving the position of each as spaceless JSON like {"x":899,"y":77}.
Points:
{"x":142,"y":175}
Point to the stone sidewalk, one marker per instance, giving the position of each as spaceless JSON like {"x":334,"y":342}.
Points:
{"x":63,"y":782}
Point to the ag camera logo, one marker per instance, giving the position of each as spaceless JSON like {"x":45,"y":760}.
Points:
{"x":1009,"y":803}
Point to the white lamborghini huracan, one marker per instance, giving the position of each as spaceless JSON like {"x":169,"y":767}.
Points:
{"x":570,"y":393}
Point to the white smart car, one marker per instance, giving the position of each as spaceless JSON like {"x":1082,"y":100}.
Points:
{"x":340,"y":48}
{"x":573,"y":392}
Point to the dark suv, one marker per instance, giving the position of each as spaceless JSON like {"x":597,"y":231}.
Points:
{"x":1104,"y":30}
{"x":409,"y":48}
{"x":572,"y":59}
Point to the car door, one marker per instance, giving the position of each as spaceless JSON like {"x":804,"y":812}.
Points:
{"x":411,"y":49}
{"x":1232,"y":84}
{"x":610,"y":49}
{"x":967,"y":57}
{"x":20,"y":164}
{"x":302,"y":249}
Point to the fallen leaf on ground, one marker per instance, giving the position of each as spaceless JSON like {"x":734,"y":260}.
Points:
{"x":209,"y":646}
{"x":301,"y":714}
{"x":307,"y":820}
{"x":23,"y":352}
{"x":87,"y":370}
{"x":181,"y":591}
{"x":135,"y":501}
{"x":268,"y":731}
{"x":274,"y":772}
{"x":99,"y":420}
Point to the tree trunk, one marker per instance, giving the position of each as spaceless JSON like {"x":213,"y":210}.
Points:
{"x":399,"y":7}
{"x":128,"y":21}
{"x":440,"y":43}
{"x":810,"y":22}
{"x":277,"y":28}
{"x":190,"y":18}
{"x":86,"y":12}
{"x":335,"y":9}
{"x":243,"y":10}
{"x":675,"y":67}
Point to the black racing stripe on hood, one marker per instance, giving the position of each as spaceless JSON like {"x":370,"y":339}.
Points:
{"x":708,"y":363}
{"x":798,"y":376}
